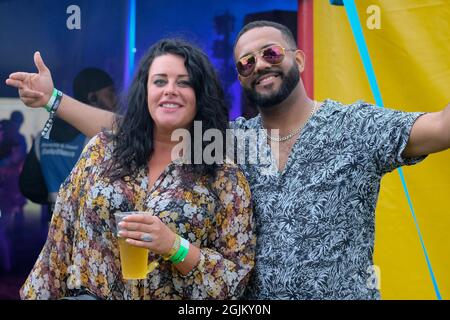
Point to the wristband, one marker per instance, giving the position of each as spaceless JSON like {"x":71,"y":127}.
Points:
{"x":51,"y":107}
{"x":174,"y":249}
{"x":182,"y":252}
{"x":50,"y":102}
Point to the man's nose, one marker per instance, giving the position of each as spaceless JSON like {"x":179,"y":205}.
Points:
{"x":261,"y":64}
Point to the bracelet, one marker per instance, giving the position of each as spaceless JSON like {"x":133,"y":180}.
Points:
{"x":174,"y":249}
{"x":177,"y":255}
{"x":55,"y":101}
{"x":182,"y":252}
{"x":50,"y":102}
{"x":184,"y":245}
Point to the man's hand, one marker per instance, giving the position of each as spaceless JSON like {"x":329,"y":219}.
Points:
{"x":35,"y":89}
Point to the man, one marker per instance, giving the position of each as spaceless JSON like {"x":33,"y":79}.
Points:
{"x":315,"y":216}
{"x":50,"y":161}
{"x":315,"y":220}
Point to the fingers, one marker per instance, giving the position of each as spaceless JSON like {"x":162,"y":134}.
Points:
{"x":137,"y":222}
{"x":30,"y":94}
{"x":21,"y":76}
{"x":134,"y":226}
{"x":140,"y":222}
{"x":31,"y":102}
{"x":14,"y":83}
{"x":136,"y":235}
{"x":31,"y":98}
{"x":140,"y":218}
{"x":140,"y":239}
{"x":42,"y":68}
{"x":16,"y":79}
{"x":137,"y":243}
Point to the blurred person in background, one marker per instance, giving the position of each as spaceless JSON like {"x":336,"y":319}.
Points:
{"x":50,"y":161}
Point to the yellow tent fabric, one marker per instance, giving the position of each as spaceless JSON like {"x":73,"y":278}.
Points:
{"x":410,"y":53}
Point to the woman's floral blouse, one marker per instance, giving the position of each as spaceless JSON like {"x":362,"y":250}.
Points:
{"x":82,"y":248}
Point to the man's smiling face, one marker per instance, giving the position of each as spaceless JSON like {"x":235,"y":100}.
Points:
{"x":268,"y":84}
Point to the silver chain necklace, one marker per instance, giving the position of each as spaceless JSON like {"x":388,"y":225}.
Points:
{"x":293,"y":133}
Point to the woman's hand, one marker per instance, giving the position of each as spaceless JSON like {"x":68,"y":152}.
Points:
{"x":146,"y":231}
{"x":35,"y":89}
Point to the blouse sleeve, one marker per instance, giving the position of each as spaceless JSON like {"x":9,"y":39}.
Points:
{"x":49,"y":278}
{"x":224,"y":267}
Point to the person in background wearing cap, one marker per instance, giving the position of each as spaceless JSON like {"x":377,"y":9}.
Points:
{"x":50,"y":161}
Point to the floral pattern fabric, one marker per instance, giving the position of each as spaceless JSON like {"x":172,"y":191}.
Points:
{"x":82,"y":248}
{"x":315,"y":221}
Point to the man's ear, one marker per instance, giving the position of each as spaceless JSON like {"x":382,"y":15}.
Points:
{"x":92,"y":98}
{"x":239,"y":78}
{"x":300,"y":58}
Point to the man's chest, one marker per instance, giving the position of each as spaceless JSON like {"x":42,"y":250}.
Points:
{"x":281,"y":151}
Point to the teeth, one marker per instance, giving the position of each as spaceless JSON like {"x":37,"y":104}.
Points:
{"x":170,"y":105}
{"x":267,"y":79}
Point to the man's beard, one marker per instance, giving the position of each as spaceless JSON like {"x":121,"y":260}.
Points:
{"x":288,"y":84}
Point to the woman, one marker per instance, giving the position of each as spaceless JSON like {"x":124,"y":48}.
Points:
{"x":131,"y":169}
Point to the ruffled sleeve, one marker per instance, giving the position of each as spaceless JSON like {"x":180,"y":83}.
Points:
{"x":50,"y":276}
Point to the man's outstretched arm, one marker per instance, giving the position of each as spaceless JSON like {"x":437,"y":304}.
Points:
{"x":429,"y":134}
{"x":89,"y":120}
{"x":35,"y":90}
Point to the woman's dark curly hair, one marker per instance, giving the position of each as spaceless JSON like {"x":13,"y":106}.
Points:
{"x":133,"y":140}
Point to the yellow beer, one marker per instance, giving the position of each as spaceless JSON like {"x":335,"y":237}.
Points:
{"x":134,"y":261}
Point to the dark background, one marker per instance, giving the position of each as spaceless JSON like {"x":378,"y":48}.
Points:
{"x":27,"y":26}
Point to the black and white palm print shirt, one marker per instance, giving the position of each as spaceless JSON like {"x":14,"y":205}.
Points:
{"x":315,"y":221}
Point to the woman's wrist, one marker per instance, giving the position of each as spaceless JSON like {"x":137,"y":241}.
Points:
{"x":181,"y":253}
{"x":178,"y":251}
{"x":174,"y":249}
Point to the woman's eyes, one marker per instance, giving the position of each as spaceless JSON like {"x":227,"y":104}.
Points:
{"x":160,"y":82}
{"x":181,"y":83}
{"x":184,"y":83}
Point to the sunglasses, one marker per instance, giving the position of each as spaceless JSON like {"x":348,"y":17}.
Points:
{"x":273,"y":55}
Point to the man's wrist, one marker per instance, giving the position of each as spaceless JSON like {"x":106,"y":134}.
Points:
{"x":52,"y":106}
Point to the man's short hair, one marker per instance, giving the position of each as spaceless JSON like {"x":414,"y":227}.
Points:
{"x":285,"y":32}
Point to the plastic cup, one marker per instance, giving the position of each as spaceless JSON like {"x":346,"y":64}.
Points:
{"x":133,"y":260}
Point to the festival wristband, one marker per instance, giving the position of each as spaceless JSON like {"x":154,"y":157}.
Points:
{"x":49,"y":104}
{"x":51,"y":107}
{"x":182,"y":252}
{"x":174,"y":249}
